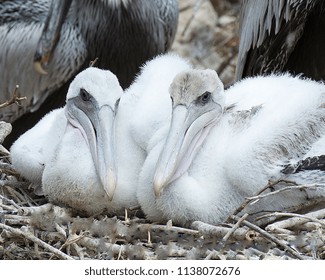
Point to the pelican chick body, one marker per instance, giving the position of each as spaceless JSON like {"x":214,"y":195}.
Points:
{"x":80,"y":171}
{"x":223,"y":146}
{"x":30,"y":151}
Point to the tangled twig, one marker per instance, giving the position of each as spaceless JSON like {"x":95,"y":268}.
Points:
{"x":15,"y":99}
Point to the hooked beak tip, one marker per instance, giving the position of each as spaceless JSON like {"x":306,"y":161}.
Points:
{"x":39,"y":68}
{"x":158,"y":187}
{"x":110,"y":186}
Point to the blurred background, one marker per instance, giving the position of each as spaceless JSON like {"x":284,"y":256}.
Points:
{"x":208,"y":34}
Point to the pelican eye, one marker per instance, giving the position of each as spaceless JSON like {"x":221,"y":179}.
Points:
{"x":85,"y":96}
{"x":204,"y":98}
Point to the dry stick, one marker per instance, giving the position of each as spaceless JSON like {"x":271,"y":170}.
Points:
{"x":60,"y":230}
{"x":218,"y":231}
{"x":232,"y":230}
{"x":18,"y":218}
{"x":119,"y":254}
{"x":271,"y":237}
{"x":310,"y":226}
{"x":72,"y":241}
{"x":297,"y":221}
{"x":149,"y":238}
{"x":4,"y":152}
{"x":36,"y":240}
{"x":16,"y":221}
{"x":167,"y":228}
{"x":93,"y":62}
{"x":18,"y":196}
{"x":269,"y":185}
{"x":304,"y":205}
{"x":5,"y":207}
{"x":213,"y":254}
{"x":272,"y":184}
{"x":314,"y":198}
{"x":258,"y":197}
{"x":29,"y":200}
{"x":6,"y":167}
{"x":10,"y":201}
{"x":95,"y":243}
{"x":14,"y":99}
{"x":36,"y":210}
{"x":13,"y":184}
{"x":299,"y":216}
{"x":78,"y":250}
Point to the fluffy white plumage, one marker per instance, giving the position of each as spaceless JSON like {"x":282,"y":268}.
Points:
{"x":265,"y":124}
{"x":143,"y":117}
{"x":30,"y":151}
{"x":65,"y":149}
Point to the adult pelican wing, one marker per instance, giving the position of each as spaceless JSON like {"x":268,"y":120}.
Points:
{"x":280,"y":36}
{"x":60,"y":38}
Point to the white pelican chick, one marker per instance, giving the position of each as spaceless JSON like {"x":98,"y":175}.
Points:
{"x":217,"y":153}
{"x":80,"y":171}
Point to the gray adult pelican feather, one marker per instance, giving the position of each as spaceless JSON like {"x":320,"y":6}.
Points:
{"x":280,"y":36}
{"x":61,"y":37}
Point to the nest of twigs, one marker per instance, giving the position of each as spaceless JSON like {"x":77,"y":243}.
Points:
{"x":32,"y":228}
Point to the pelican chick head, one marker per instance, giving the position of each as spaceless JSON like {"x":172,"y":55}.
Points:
{"x":90,"y":107}
{"x":198,"y":103}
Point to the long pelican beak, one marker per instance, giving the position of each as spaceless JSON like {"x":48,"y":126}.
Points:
{"x":105,"y":165}
{"x":184,"y":139}
{"x":98,"y":130}
{"x":51,"y":34}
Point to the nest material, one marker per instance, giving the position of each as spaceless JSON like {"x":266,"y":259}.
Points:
{"x":32,"y":228}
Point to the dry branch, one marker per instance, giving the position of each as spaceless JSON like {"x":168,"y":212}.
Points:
{"x":306,"y":188}
{"x":15,"y":99}
{"x":220,"y":232}
{"x":297,"y":220}
{"x":272,"y":238}
{"x":167,"y":228}
{"x":33,"y":238}
{"x":236,"y":226}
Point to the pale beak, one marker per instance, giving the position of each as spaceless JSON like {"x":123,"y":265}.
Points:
{"x":106,"y":165}
{"x":98,"y":130}
{"x":51,"y":34}
{"x":184,"y":139}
